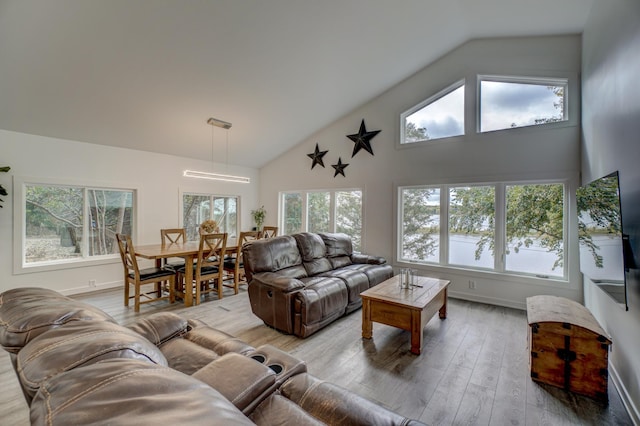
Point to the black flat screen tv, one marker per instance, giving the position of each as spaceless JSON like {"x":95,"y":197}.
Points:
{"x":601,"y":240}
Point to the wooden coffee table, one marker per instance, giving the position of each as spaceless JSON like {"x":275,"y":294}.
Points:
{"x":407,"y":309}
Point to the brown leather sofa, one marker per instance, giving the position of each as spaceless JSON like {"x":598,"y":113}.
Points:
{"x":77,"y":366}
{"x":300,"y":283}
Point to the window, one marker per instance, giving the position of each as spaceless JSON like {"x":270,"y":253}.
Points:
{"x":349,"y":216}
{"x":507,"y":102}
{"x":420,"y":224}
{"x":67,"y":224}
{"x":196,"y":208}
{"x":471,"y":226}
{"x":511,"y":228}
{"x":440,"y":116}
{"x":318,"y":209}
{"x":535,"y":229}
{"x":292,"y":207}
{"x":323,"y":211}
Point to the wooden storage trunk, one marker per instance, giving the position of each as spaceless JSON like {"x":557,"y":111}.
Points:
{"x":568,"y":347}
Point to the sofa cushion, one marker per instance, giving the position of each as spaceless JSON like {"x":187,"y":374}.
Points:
{"x":76,"y":344}
{"x":338,"y":262}
{"x":130,"y":392}
{"x":161,"y":327}
{"x":271,"y":255}
{"x":199,"y":346}
{"x":375,"y":273}
{"x":313,"y":252}
{"x":322,"y":301}
{"x":356,"y":282}
{"x":337,"y":244}
{"x":25,"y":313}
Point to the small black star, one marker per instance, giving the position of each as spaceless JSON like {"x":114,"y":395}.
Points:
{"x":339,"y":167}
{"x":362,"y":139}
{"x":317,"y":157}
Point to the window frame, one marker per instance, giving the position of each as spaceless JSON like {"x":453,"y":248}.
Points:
{"x":430,"y":100}
{"x":500,"y":229}
{"x":332,"y":206}
{"x":556,"y":81}
{"x":19,"y":230}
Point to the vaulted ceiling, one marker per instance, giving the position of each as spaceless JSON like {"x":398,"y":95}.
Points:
{"x":147,"y":74}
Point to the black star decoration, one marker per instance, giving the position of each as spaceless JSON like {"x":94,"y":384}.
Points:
{"x":317,"y":157}
{"x":339,"y":167}
{"x":362,"y":139}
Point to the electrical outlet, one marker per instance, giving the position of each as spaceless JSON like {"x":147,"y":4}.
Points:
{"x":92,"y":283}
{"x":472,"y":284}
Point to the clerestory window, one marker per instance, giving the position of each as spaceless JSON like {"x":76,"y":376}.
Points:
{"x":511,"y":102}
{"x":440,"y":116}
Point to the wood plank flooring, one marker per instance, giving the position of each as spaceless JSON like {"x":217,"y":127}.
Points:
{"x":473,"y":369}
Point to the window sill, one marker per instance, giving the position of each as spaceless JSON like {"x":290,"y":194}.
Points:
{"x":443,"y":271}
{"x":19,"y":269}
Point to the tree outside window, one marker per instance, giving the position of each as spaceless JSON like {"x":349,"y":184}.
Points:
{"x":324,"y":211}
{"x":421,"y":224}
{"x":196,"y":208}
{"x":532,"y":231}
{"x":67,"y":222}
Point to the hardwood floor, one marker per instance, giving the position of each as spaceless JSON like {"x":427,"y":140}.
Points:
{"x":473,"y":369}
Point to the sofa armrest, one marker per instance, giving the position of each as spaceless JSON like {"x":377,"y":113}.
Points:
{"x":240,"y":379}
{"x":272,"y":299}
{"x":367,"y":259}
{"x":335,"y":405}
{"x":277,"y":281}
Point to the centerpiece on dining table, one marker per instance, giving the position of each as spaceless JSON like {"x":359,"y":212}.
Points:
{"x":209,"y":226}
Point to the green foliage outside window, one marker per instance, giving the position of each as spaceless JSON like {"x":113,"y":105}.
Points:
{"x":3,"y":191}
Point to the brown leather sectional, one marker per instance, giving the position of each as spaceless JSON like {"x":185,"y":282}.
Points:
{"x":77,"y":366}
{"x":300,"y":283}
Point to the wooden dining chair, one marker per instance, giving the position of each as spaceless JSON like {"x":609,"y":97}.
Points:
{"x":234,"y":265}
{"x":137,"y":277}
{"x":269,"y":231}
{"x":208,"y":269}
{"x":170,"y":236}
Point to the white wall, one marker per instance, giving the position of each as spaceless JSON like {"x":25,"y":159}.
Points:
{"x":611,"y":125}
{"x":158,"y":178}
{"x":534,"y":153}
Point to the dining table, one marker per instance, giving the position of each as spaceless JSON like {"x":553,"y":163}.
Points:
{"x":187,"y":250}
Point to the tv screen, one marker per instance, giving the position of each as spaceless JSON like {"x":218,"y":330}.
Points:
{"x":600,"y":235}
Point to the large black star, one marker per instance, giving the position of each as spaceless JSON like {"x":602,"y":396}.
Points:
{"x":362,"y":139}
{"x":317,"y":157}
{"x":339,"y":167}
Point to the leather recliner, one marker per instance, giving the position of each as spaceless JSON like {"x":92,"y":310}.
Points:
{"x":300,"y":283}
{"x":77,"y":366}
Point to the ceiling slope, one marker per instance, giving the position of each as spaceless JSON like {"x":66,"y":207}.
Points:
{"x":147,"y":74}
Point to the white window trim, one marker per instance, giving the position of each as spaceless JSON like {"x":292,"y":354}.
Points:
{"x":552,"y":81}
{"x":434,"y":98}
{"x":500,"y":234}
{"x":19,"y":229}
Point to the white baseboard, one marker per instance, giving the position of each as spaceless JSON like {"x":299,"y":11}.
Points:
{"x":89,"y":289}
{"x":488,"y":300}
{"x":633,"y":411}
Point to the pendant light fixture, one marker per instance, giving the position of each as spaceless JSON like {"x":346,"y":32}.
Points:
{"x":217,"y":176}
